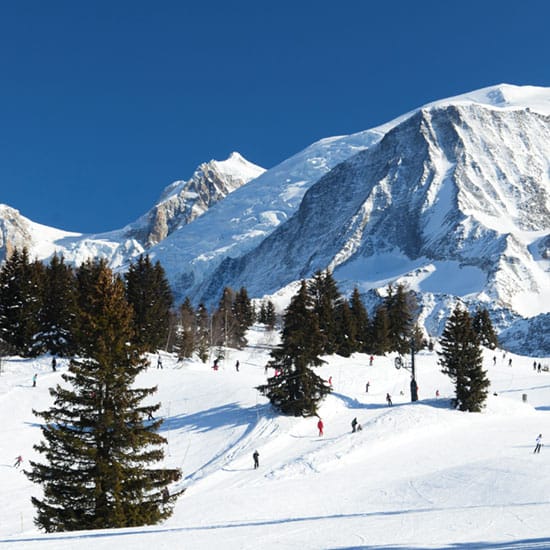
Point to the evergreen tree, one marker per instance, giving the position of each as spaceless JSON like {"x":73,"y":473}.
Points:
{"x":270,"y":315}
{"x":58,"y":312}
{"x":398,"y":307}
{"x":243,"y":311}
{"x":295,"y":389}
{"x":380,"y":332}
{"x":227,"y":331}
{"x":149,"y":293}
{"x":203,"y":336}
{"x":361,"y":321}
{"x":98,"y":442}
{"x":21,"y":294}
{"x":326,"y":298}
{"x":483,"y":326}
{"x":346,"y":336}
{"x":187,"y":330}
{"x":461,"y":360}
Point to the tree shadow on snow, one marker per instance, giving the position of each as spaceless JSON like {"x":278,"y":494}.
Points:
{"x":224,"y":416}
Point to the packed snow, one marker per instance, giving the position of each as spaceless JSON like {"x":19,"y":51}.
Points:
{"x":417,"y":476}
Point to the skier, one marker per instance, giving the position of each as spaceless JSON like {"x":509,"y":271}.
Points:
{"x":54,"y":364}
{"x":354,"y":425}
{"x":367,"y":387}
{"x":18,"y":461}
{"x":388,"y":400}
{"x":34,"y":377}
{"x":538,"y":444}
{"x":371,"y":360}
{"x":256,"y":458}
{"x":437,"y":393}
{"x":159,"y":363}
{"x":320,"y":425}
{"x":330,"y":381}
{"x":215,"y":365}
{"x":510,"y":362}
{"x":237,"y":366}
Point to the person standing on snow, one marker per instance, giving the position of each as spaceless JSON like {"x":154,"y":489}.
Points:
{"x":538,"y":444}
{"x":354,"y":425}
{"x":256,"y":458}
{"x":18,"y":461}
{"x":54,"y":364}
{"x":237,"y":365}
{"x":34,"y":377}
{"x":388,"y":400}
{"x":367,"y":387}
{"x":320,"y":425}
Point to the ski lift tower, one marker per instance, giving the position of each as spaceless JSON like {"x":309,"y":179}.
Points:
{"x":399,"y":362}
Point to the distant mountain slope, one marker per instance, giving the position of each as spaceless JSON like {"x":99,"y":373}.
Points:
{"x":458,"y":183}
{"x":454,"y":200}
{"x":180,"y":203}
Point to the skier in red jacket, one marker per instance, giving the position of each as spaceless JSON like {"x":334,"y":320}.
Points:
{"x":320,"y":426}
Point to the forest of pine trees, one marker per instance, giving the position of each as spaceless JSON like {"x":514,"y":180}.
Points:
{"x":320,"y":321}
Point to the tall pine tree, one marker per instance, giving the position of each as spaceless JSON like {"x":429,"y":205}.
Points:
{"x":361,"y":321}
{"x":98,"y":442}
{"x":58,"y":312}
{"x":21,"y":294}
{"x":483,"y":326}
{"x":461,"y":360}
{"x":149,"y":293}
{"x":326,"y":298}
{"x":295,"y":388}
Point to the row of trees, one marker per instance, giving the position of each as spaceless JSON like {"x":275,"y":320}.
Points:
{"x":198,"y":332}
{"x":319,"y":321}
{"x":41,"y":305}
{"x":40,"y":309}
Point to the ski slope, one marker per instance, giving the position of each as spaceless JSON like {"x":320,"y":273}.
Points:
{"x":416,"y":476}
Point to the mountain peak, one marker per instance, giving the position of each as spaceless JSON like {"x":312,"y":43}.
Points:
{"x":237,"y":166}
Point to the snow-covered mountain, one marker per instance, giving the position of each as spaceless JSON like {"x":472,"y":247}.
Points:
{"x":180,"y":203}
{"x":452,"y":198}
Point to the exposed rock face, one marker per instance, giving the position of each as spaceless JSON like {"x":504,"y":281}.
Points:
{"x":184,"y":201}
{"x":14,"y":231}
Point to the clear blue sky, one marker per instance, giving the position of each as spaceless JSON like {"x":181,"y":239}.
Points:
{"x":104,"y":103}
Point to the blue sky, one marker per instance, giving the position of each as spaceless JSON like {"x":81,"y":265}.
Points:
{"x":104,"y":103}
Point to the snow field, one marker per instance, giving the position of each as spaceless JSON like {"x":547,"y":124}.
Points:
{"x":416,"y":476}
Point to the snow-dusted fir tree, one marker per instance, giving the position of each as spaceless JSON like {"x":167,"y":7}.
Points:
{"x":100,"y":445}
{"x":21,"y":291}
{"x":148,"y":291}
{"x":483,"y":326}
{"x":57,"y":314}
{"x":461,"y":358}
{"x":295,"y":388}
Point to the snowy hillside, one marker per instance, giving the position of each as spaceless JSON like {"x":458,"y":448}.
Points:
{"x":417,"y":476}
